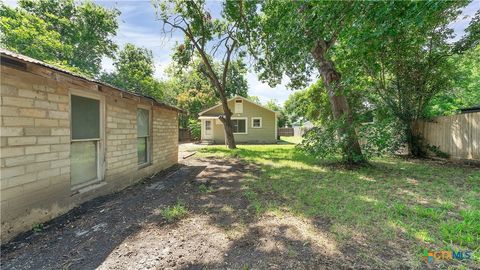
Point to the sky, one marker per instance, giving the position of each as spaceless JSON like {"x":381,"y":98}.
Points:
{"x":138,"y":25}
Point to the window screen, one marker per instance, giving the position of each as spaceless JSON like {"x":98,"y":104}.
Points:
{"x":142,"y":122}
{"x":85,"y":118}
{"x":84,"y":148}
{"x":257,"y":122}
{"x":142,"y":150}
{"x":83,"y":162}
{"x":239,"y":125}
{"x":143,"y":135}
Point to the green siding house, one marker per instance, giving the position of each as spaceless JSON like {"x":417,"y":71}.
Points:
{"x":252,"y":123}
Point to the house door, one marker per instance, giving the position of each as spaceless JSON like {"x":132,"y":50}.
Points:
{"x":208,"y":132}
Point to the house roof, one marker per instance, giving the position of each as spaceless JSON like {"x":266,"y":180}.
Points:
{"x":10,"y":54}
{"x":236,"y":97}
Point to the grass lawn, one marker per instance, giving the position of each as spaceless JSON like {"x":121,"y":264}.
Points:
{"x":395,"y":207}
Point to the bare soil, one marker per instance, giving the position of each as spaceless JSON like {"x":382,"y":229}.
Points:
{"x":126,"y":230}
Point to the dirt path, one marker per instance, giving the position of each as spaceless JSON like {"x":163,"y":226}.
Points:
{"x":126,"y":230}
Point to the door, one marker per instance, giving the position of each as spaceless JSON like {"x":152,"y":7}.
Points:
{"x":208,"y":132}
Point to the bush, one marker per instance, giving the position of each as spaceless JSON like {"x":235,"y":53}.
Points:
{"x":377,"y":138}
{"x":195,"y":128}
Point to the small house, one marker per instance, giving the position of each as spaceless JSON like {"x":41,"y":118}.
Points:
{"x":66,"y":138}
{"x":251,"y":123}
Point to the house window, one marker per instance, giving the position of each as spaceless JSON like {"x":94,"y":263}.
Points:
{"x":256,"y":122}
{"x":143,"y":136}
{"x":239,"y":126}
{"x":238,"y":106}
{"x":85,"y":141}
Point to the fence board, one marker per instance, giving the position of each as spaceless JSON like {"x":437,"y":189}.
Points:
{"x":184,"y":135}
{"x":457,"y":135}
{"x":288,"y":132}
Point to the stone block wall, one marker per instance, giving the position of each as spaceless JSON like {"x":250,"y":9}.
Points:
{"x":35,"y":145}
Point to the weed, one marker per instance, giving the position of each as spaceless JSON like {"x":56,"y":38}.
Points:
{"x":205,"y":189}
{"x":38,"y":228}
{"x":175,"y":212}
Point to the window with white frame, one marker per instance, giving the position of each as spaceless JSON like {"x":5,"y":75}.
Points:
{"x":256,"y":122}
{"x":143,"y":136}
{"x":85,"y":141}
{"x":239,"y":126}
{"x":238,"y":106}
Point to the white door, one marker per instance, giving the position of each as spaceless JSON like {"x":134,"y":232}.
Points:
{"x":208,"y":130}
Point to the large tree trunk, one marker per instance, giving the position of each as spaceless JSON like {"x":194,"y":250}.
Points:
{"x":414,"y":142}
{"x":227,"y":124}
{"x":338,"y":101}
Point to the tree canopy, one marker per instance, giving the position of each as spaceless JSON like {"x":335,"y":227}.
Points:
{"x":74,"y":34}
{"x":134,"y":71}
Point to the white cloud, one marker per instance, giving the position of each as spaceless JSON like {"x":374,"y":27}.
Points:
{"x":264,"y":92}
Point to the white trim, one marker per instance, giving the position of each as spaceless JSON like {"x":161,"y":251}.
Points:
{"x":261,"y":122}
{"x":101,"y":157}
{"x":207,"y":117}
{"x":276,"y":128}
{"x":246,"y":124}
{"x":236,"y":97}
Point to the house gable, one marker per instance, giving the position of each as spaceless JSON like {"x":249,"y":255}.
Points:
{"x":218,"y":109}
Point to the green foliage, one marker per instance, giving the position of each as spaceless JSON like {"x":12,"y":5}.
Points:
{"x":377,"y":138}
{"x":465,"y":86}
{"x":28,"y":34}
{"x":134,"y":70}
{"x":310,"y":104}
{"x":195,"y":128}
{"x":464,"y":232}
{"x":175,"y":212}
{"x":72,"y":34}
{"x":327,"y":143}
{"x":380,"y":137}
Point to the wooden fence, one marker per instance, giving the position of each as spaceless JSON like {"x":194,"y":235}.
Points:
{"x":285,"y":132}
{"x":457,"y":135}
{"x":184,"y":135}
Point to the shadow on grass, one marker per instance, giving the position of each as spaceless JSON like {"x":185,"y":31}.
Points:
{"x":396,"y":207}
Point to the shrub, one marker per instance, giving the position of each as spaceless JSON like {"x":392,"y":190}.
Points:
{"x":195,"y":128}
{"x":376,"y":138}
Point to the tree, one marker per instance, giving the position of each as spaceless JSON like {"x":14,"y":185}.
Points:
{"x":134,"y":70}
{"x":297,"y":38}
{"x":206,"y":37}
{"x":309,"y":104}
{"x":464,"y":91}
{"x":407,"y":60}
{"x":84,"y":30}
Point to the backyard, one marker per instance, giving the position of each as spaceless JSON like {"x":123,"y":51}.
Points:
{"x":388,"y":212}
{"x":267,"y":207}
